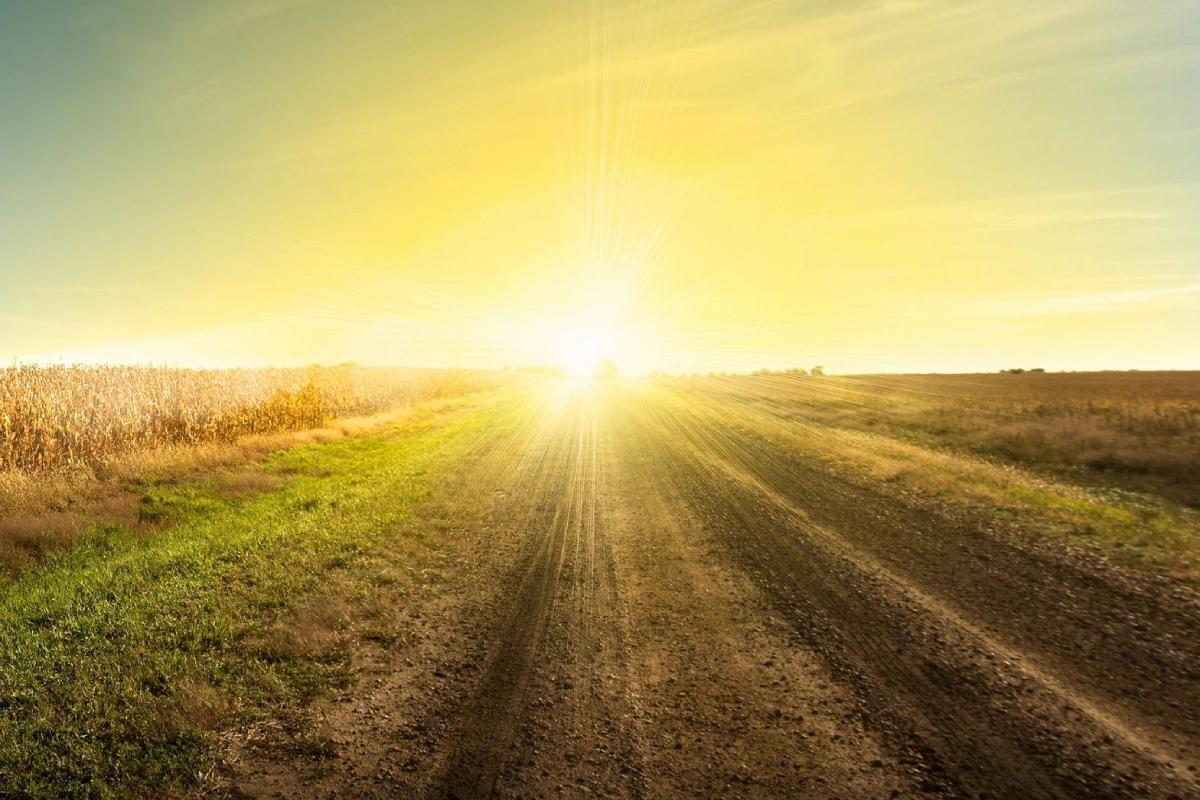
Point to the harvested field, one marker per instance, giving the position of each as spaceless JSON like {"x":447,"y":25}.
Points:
{"x":642,"y":589}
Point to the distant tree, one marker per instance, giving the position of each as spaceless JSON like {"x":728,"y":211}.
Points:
{"x":818,"y":370}
{"x":1037,"y":369}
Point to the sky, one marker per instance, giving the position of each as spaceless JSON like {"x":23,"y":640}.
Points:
{"x":902,"y":185}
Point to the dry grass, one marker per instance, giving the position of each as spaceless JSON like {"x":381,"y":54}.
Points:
{"x":45,"y":503}
{"x":903,"y":439}
{"x":245,"y":483}
{"x":202,"y":705}
{"x":55,"y":418}
{"x":1131,"y":430}
{"x":41,"y":512}
{"x":115,"y":685}
{"x":62,"y":429}
{"x":306,"y":630}
{"x":22,"y":492}
{"x":25,"y":539}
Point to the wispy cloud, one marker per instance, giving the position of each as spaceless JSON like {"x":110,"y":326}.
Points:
{"x":1003,"y":214}
{"x":56,"y":291}
{"x":1095,"y":302}
{"x":35,"y":322}
{"x":227,"y":16}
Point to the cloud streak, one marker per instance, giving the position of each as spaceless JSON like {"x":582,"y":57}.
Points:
{"x":1099,"y":302}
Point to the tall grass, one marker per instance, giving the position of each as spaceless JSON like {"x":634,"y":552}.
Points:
{"x":64,"y":417}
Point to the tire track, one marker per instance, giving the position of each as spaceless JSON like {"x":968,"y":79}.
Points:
{"x":729,"y":702}
{"x":1129,"y":638}
{"x":561,"y":526}
{"x":649,"y":595}
{"x":577,"y":733}
{"x":970,"y":719}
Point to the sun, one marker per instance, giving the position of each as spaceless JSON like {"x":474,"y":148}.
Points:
{"x":587,"y":353}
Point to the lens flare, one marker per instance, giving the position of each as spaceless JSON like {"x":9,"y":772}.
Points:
{"x":586,"y":352}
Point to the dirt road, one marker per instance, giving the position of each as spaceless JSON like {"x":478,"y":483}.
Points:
{"x":646,"y":594}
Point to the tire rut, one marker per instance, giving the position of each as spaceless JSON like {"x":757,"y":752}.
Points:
{"x":1130,"y":638}
{"x":970,"y":719}
{"x":561,"y":530}
{"x":638,"y":599}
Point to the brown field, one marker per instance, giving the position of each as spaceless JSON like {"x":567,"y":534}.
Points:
{"x":769,"y":586}
{"x":1129,"y":430}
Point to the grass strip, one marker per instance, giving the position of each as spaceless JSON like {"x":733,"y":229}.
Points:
{"x":100,"y":645}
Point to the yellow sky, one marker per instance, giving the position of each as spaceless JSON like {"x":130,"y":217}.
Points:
{"x":713,"y":185}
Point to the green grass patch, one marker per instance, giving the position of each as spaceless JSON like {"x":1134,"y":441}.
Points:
{"x":120,"y":655}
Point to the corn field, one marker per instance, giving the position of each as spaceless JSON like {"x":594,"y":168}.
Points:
{"x":60,"y":417}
